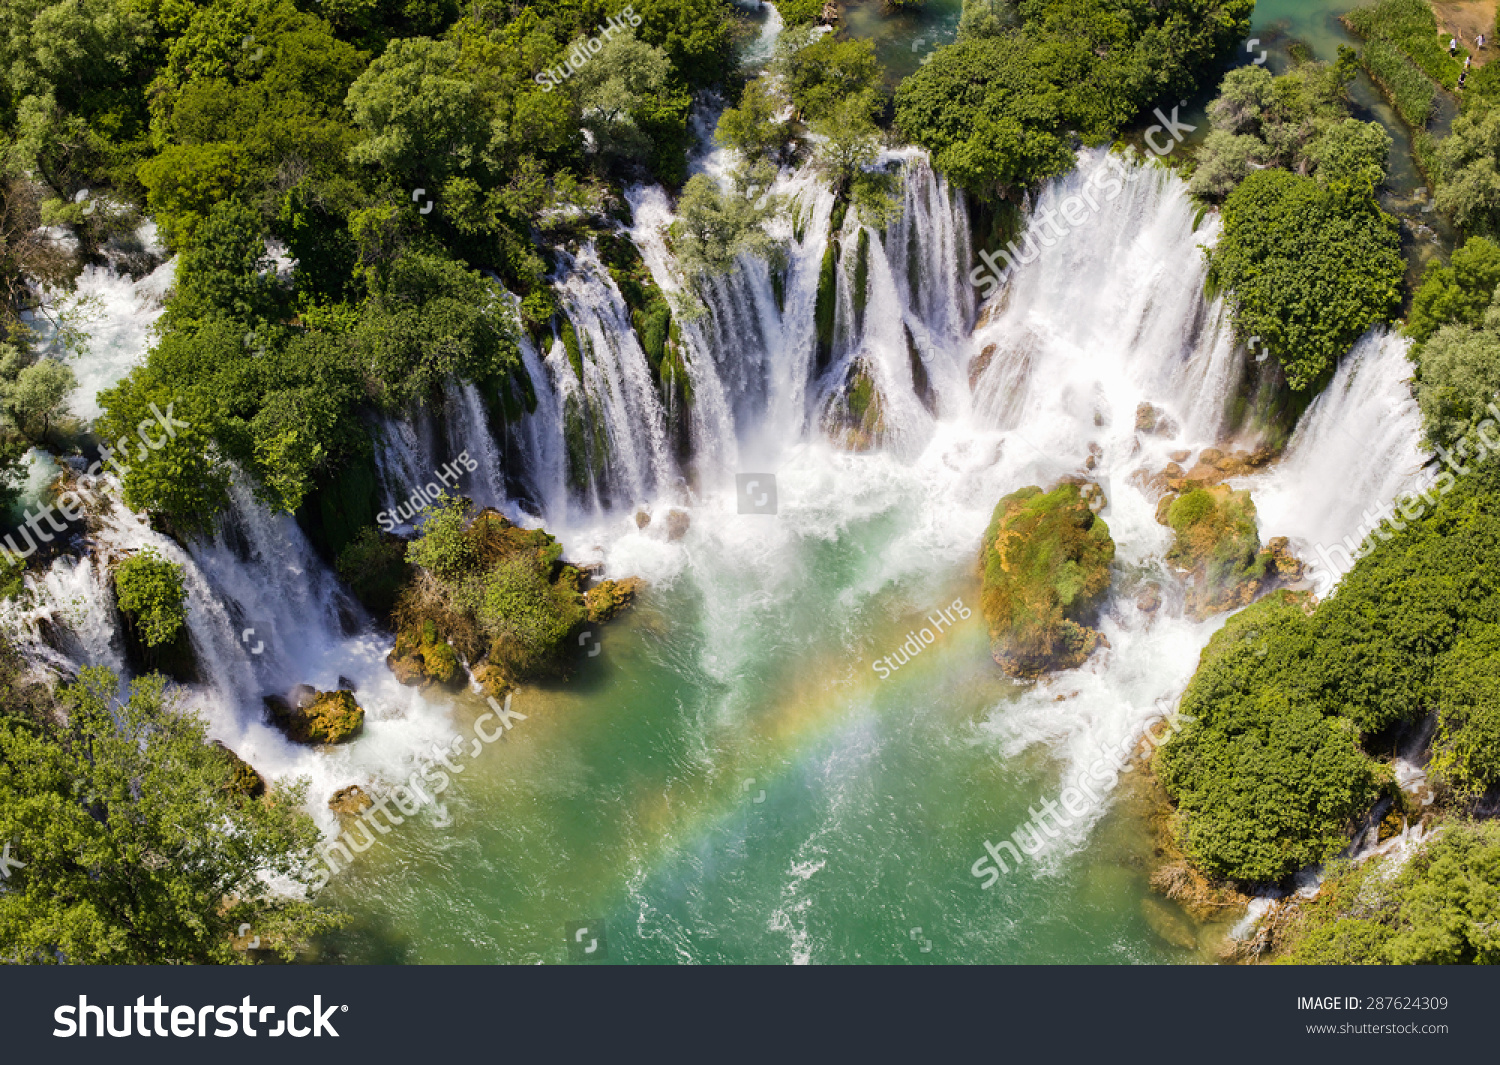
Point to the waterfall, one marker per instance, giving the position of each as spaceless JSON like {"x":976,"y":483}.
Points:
{"x":977,"y":398}
{"x":615,"y":420}
{"x":263,"y":613}
{"x":1358,"y":447}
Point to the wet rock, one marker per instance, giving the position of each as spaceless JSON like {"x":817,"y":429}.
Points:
{"x":351,"y":801}
{"x":1148,"y":600}
{"x":1046,"y":567}
{"x":608,"y":598}
{"x":1153,"y":421}
{"x":1217,"y":542}
{"x":347,"y":685}
{"x":422,"y":656}
{"x":979,"y":364}
{"x":678,"y":522}
{"x":1179,"y":456}
{"x":243,"y":779}
{"x":327,"y":717}
{"x":642,"y":519}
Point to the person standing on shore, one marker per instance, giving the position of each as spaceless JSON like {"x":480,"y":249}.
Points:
{"x":1453,"y":46}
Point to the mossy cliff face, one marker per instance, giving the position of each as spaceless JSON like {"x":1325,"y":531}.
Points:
{"x":1046,"y":566}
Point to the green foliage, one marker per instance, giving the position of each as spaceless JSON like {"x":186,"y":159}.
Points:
{"x":422,"y":117}
{"x":1467,"y":159}
{"x":1046,"y":564}
{"x":444,"y":548}
{"x":374,"y":567}
{"x":1459,"y":379}
{"x":1466,"y":749}
{"x":150,"y":591}
{"x":1264,"y":783}
{"x":1411,"y":27}
{"x":999,"y":111}
{"x":715,"y":226}
{"x":1409,"y":89}
{"x":136,"y":850}
{"x":32,"y":393}
{"x":1439,"y":908}
{"x":1298,"y":121}
{"x":821,"y":75}
{"x":1457,"y":293}
{"x":752,"y":129}
{"x":797,"y":12}
{"x":491,"y":590}
{"x":1310,"y":268}
{"x":1283,"y":693}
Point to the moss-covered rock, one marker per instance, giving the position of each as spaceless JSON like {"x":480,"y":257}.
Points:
{"x":311,"y":716}
{"x":350,"y":802}
{"x":608,"y":598}
{"x":498,"y":596}
{"x":855,"y":418}
{"x":1046,"y":567}
{"x":1216,"y":540}
{"x":243,"y":779}
{"x":421,"y":656}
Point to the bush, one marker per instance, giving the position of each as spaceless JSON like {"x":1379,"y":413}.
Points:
{"x":1442,"y":907}
{"x":1458,"y":292}
{"x":999,"y":109}
{"x":1309,"y":269}
{"x":1410,"y":91}
{"x":151,"y":593}
{"x":1411,"y":26}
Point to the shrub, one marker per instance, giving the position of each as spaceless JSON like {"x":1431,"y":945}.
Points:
{"x":151,"y":593}
{"x":1309,"y":269}
{"x":1442,"y":907}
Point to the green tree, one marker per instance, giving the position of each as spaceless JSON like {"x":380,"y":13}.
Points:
{"x":151,"y":592}
{"x":1308,"y":268}
{"x":714,"y":227}
{"x":1470,"y":190}
{"x":1457,"y":292}
{"x":422,"y":115}
{"x":620,"y":91}
{"x":752,"y":129}
{"x":1459,"y":379}
{"x":33,"y":393}
{"x":136,"y":851}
